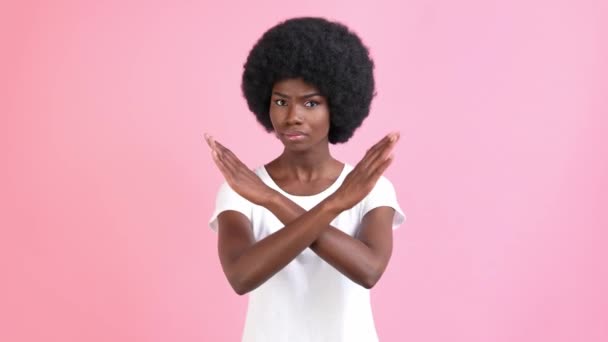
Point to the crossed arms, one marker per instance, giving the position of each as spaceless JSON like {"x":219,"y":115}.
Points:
{"x":247,"y":264}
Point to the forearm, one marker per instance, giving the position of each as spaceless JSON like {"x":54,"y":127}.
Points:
{"x":268,"y":256}
{"x":348,"y":255}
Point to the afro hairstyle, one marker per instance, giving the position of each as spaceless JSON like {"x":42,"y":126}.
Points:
{"x":324,"y":54}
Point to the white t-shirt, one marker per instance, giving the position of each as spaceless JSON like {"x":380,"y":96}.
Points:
{"x":308,"y":300}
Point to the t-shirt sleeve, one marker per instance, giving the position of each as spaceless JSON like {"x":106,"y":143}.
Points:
{"x":383,"y":195}
{"x":228,"y":199}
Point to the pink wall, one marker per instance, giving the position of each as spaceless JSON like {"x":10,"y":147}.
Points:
{"x":107,"y":185}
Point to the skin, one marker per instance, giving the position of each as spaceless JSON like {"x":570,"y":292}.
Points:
{"x":305,"y":167}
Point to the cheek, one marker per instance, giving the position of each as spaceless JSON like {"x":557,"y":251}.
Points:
{"x":272,"y":115}
{"x":324,"y":119}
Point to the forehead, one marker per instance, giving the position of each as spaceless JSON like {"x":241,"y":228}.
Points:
{"x":294,"y":86}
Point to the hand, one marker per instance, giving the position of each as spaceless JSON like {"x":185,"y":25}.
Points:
{"x":362,"y":179}
{"x":240,"y":178}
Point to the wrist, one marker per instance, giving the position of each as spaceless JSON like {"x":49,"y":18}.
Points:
{"x":333,"y":204}
{"x":270,"y":196}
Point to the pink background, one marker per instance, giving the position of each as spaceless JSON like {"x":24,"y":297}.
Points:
{"x":107,"y":185}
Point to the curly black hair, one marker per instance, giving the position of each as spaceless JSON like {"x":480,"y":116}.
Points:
{"x":324,"y":54}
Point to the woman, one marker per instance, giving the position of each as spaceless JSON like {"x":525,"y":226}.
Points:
{"x":307,"y":235}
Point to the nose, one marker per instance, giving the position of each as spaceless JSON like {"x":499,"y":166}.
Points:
{"x":293,"y":116}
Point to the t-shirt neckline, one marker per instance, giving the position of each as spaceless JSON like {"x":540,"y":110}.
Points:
{"x":277,"y":187}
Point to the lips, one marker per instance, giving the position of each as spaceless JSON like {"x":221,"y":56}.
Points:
{"x":293,"y":133}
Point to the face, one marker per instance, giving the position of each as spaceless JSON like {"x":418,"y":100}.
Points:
{"x":299,"y":114}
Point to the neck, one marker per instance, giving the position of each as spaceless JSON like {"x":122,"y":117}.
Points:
{"x":307,"y":165}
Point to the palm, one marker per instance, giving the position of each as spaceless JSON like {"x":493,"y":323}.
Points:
{"x":240,"y":178}
{"x":361,"y":180}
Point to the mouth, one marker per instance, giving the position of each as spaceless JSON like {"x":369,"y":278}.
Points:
{"x":294,"y":135}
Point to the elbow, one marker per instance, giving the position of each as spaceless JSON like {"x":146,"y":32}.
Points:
{"x":372,"y":277}
{"x":239,"y":286}
{"x":237,"y":279}
{"x":370,"y":282}
{"x":240,"y":290}
{"x":242,"y":283}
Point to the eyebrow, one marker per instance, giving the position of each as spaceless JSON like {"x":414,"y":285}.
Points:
{"x":304,"y":97}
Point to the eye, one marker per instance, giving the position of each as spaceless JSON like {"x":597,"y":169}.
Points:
{"x":279,"y":102}
{"x":312,"y":103}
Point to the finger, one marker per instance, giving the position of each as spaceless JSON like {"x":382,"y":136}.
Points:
{"x":221,"y":159}
{"x":226,"y":154}
{"x":388,"y":139}
{"x":379,"y":171}
{"x":230,"y":156}
{"x":232,"y":163}
{"x":222,"y":151}
{"x":207,"y":137}
{"x":210,"y":141}
{"x":369,"y":155}
{"x":385,"y":164}
{"x":380,"y":153}
{"x":378,"y":144}
{"x":222,"y":148}
{"x":378,"y":162}
{"x":389,"y":143}
{"x":228,"y":174}
{"x":218,"y":162}
{"x":229,"y":161}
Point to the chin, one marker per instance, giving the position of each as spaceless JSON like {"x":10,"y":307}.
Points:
{"x":297,"y":147}
{"x":302,"y":146}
